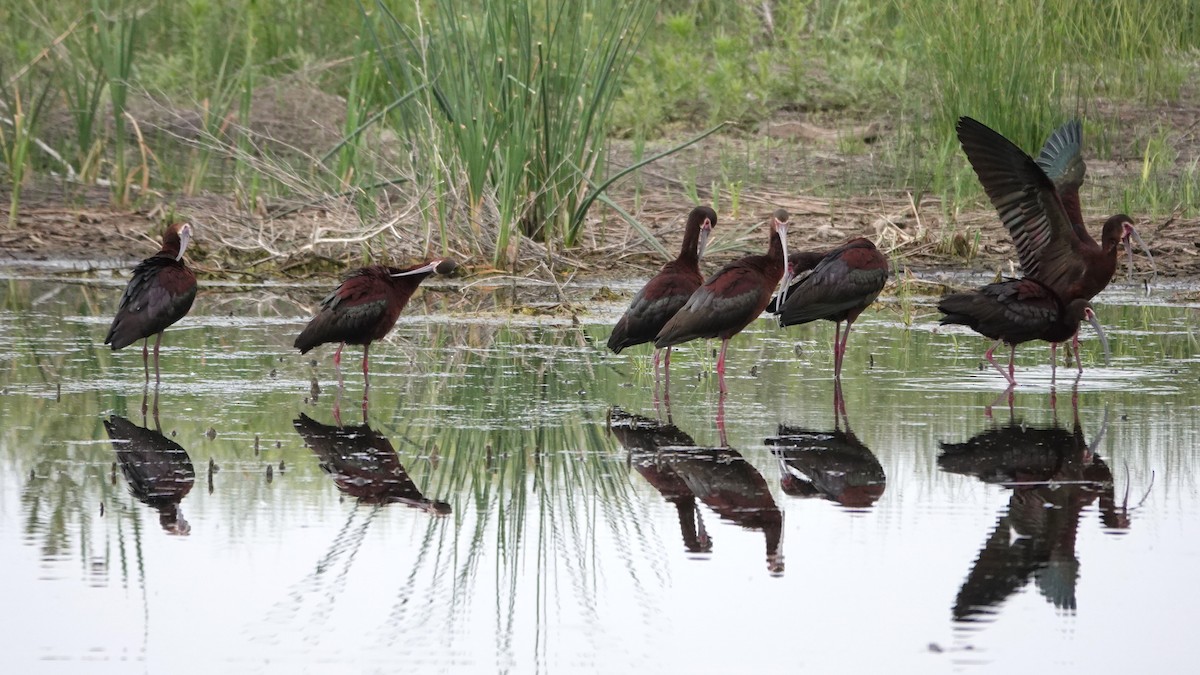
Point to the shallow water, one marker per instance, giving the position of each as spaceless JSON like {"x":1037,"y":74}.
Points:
{"x":488,"y":519}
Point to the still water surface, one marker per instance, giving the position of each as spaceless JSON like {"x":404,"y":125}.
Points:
{"x":518,"y":500}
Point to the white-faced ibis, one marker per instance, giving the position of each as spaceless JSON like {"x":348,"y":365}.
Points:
{"x":159,"y":294}
{"x":1016,"y":311}
{"x":365,"y":307}
{"x":663,"y":295}
{"x":159,"y":471}
{"x":1046,"y":224}
{"x":838,"y":288}
{"x":730,"y":299}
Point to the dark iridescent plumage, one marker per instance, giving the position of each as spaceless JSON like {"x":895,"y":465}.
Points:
{"x":159,"y":471}
{"x":647,"y":440}
{"x":838,"y":288}
{"x":159,"y":294}
{"x":664,"y":294}
{"x":1054,"y":477}
{"x":1016,"y":311}
{"x":832,"y":464}
{"x":730,"y":299}
{"x":364,"y":308}
{"x":1046,"y":225}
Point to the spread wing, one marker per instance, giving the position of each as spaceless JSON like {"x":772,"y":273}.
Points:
{"x":1028,"y":205}
{"x":1062,"y":160}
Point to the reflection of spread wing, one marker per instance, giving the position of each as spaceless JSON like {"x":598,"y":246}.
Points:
{"x":1028,"y":205}
{"x":1003,"y":567}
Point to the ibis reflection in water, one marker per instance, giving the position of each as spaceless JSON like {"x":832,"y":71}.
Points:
{"x":364,"y":465}
{"x":158,"y":470}
{"x":833,"y":464}
{"x":719,"y":478}
{"x":1053,"y":474}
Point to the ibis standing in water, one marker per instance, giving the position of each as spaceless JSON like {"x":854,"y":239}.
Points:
{"x":1038,"y":201}
{"x":732,"y":298}
{"x":1016,"y":311}
{"x":838,"y":288}
{"x":365,"y":307}
{"x":664,"y":294}
{"x":159,"y":294}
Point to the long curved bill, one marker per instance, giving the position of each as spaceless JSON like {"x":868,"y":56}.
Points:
{"x":1131,"y":233}
{"x":444,"y":266}
{"x":705,"y":231}
{"x":185,"y":237}
{"x":787,"y":274}
{"x":1091,"y":317}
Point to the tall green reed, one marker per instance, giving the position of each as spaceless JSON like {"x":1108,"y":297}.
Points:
{"x":19,"y":119}
{"x":516,"y":106}
{"x":116,"y":37}
{"x":1024,"y":67}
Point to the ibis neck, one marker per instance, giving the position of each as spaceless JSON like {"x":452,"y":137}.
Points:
{"x":171,"y":246}
{"x":691,"y":241}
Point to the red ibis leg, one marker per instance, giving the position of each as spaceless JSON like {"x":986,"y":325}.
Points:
{"x":1053,"y":360}
{"x":837,"y":350}
{"x":146,"y":357}
{"x":157,"y":344}
{"x":366,"y":374}
{"x":842,"y":348}
{"x":721,"y":366}
{"x":1075,"y":346}
{"x":657,"y":356}
{"x":1012,"y":356}
{"x":992,"y":360}
{"x":721,"y":421}
{"x":667,"y":370}
{"x":1007,"y":393}
{"x":839,"y":404}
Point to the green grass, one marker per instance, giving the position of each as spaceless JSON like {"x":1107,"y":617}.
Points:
{"x":488,"y":122}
